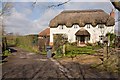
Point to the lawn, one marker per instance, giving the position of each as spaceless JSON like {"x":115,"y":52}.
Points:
{"x":75,"y":50}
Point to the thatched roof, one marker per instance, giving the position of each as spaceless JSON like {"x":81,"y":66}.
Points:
{"x":82,"y":17}
{"x":82,"y":32}
{"x":45,"y":32}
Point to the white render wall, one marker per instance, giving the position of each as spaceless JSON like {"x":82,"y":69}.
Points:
{"x":95,"y":32}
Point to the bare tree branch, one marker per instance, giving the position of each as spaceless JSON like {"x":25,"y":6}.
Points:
{"x":59,"y":4}
{"x":34,"y":3}
{"x":6,"y":8}
{"x":51,"y":6}
{"x":116,"y":4}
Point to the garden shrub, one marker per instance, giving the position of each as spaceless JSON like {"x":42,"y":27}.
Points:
{"x":6,"y":53}
{"x":72,"y":50}
{"x":73,"y":44}
{"x":89,"y":44}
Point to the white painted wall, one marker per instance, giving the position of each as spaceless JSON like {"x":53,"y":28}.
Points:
{"x":95,"y":32}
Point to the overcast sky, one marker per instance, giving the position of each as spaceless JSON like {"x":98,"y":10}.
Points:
{"x":25,"y":19}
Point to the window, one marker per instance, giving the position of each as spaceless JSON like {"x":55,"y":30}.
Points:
{"x":100,"y":26}
{"x":75,"y":26}
{"x":88,"y":38}
{"x":61,"y":27}
{"x":101,"y":37}
{"x":88,"y":25}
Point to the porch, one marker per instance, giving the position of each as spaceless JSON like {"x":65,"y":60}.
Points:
{"x":82,"y":37}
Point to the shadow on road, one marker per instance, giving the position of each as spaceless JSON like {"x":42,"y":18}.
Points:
{"x":86,"y":72}
{"x":4,"y":61}
{"x":3,"y":57}
{"x":11,"y":50}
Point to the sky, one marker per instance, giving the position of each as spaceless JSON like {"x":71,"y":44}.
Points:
{"x":26,"y":19}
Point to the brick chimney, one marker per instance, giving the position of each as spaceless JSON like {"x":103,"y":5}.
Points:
{"x":112,"y":14}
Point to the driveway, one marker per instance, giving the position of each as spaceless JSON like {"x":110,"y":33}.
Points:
{"x":30,"y":66}
{"x":25,"y":65}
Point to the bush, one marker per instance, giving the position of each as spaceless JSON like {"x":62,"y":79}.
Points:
{"x":29,"y":43}
{"x":73,"y":44}
{"x":6,"y":53}
{"x":89,"y":44}
{"x":79,"y":50}
{"x":59,"y":52}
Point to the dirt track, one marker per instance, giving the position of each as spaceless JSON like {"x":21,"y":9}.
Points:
{"x":22,"y":64}
{"x":26,"y":65}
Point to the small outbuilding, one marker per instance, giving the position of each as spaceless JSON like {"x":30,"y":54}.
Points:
{"x":44,"y":39}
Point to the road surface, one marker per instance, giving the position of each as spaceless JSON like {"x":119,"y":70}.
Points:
{"x":30,"y":66}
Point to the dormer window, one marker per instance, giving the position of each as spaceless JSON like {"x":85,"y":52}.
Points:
{"x":61,"y":27}
{"x":75,"y":26}
{"x":100,"y":26}
{"x":88,"y":25}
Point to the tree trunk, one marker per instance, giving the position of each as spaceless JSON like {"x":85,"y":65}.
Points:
{"x":4,"y":44}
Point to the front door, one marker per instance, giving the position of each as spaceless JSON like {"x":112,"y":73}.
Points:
{"x":82,"y":39}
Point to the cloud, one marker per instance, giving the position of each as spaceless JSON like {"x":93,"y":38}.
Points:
{"x":88,"y":5}
{"x":22,"y":21}
{"x":27,"y":11}
{"x":44,"y":20}
{"x":18,"y":23}
{"x":56,"y":0}
{"x":72,"y":6}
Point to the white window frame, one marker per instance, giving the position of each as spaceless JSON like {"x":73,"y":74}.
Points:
{"x":101,"y":37}
{"x":61,"y":27}
{"x":100,"y":26}
{"x":88,"y":25}
{"x":75,"y":26}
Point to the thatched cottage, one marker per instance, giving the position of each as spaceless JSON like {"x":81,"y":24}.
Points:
{"x":82,"y":26}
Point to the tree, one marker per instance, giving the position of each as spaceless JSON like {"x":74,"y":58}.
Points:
{"x":6,"y":7}
{"x":116,"y":4}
